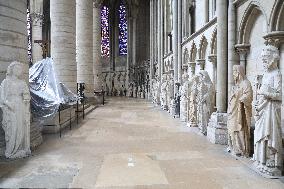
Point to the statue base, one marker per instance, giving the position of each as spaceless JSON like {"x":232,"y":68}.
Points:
{"x":267,"y":172}
{"x":191,"y":124}
{"x":217,"y":131}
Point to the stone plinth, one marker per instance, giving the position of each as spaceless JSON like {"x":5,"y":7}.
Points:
{"x":36,"y":136}
{"x":217,"y":131}
{"x":52,"y":126}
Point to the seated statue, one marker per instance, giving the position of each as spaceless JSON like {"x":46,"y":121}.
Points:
{"x":239,"y":114}
{"x":15,"y":105}
{"x":267,"y":135}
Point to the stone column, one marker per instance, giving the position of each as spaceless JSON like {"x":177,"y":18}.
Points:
{"x":222,"y":58}
{"x":84,"y":45}
{"x":134,"y":30}
{"x":63,"y":41}
{"x":243,"y":50}
{"x":151,"y":43}
{"x":175,"y":39}
{"x":217,"y":127}
{"x":179,"y":41}
{"x":232,"y":56}
{"x":97,"y":63}
{"x":159,"y":56}
{"x":37,"y":18}
{"x":13,"y":42}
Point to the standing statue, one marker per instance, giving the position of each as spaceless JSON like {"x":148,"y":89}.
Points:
{"x":163,"y":96}
{"x":267,"y":135}
{"x":170,"y":93}
{"x":192,"y":105}
{"x":130,"y":90}
{"x":15,"y":105}
{"x":239,"y":114}
{"x":205,"y":101}
{"x":184,"y":97}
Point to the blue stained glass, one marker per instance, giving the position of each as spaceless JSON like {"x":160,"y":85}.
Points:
{"x":122,"y":30}
{"x":105,"y":43}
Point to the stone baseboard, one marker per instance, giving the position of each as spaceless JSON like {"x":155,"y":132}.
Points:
{"x":52,"y":125}
{"x":217,"y":131}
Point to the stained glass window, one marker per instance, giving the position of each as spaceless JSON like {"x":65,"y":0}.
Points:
{"x":105,"y":43}
{"x":122,"y":29}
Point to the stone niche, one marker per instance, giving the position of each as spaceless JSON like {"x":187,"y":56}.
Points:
{"x":217,"y":131}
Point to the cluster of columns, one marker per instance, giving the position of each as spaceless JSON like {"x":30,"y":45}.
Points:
{"x":76,"y":42}
{"x":220,"y":59}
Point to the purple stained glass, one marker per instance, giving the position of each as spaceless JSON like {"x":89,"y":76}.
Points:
{"x":122,"y":30}
{"x":105,"y":43}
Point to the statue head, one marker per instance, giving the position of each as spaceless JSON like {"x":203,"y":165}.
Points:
{"x":15,"y":69}
{"x":270,"y":57}
{"x":238,"y":73}
{"x":204,"y":76}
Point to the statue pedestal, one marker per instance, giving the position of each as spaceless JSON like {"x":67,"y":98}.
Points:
{"x":217,"y":131}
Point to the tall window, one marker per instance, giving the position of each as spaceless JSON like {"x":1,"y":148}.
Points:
{"x":105,"y":43}
{"x":122,"y":29}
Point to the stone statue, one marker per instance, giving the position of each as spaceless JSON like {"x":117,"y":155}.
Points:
{"x":163,"y":97}
{"x":239,"y":114}
{"x":267,"y":134}
{"x":170,"y":93}
{"x":15,"y":105}
{"x":205,"y":103}
{"x":130,"y":90}
{"x":192,"y":105}
{"x":184,"y":97}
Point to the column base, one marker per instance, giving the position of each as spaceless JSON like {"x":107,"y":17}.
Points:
{"x":217,"y":131}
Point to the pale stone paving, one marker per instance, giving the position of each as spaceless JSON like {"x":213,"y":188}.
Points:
{"x":129,"y":143}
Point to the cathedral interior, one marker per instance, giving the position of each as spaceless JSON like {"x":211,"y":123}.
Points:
{"x":150,"y":94}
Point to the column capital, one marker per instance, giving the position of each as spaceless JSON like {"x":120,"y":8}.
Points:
{"x":242,"y":49}
{"x":201,"y":63}
{"x":212,"y":58}
{"x":274,"y":38}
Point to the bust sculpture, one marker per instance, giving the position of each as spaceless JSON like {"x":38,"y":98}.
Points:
{"x":267,"y":135}
{"x":205,"y":101}
{"x":239,"y":114}
{"x":15,"y":105}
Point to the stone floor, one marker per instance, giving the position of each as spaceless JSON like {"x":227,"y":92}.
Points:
{"x":129,"y":143}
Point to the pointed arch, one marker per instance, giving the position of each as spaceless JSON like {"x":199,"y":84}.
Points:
{"x":277,"y":16}
{"x":193,"y":52}
{"x":213,"y":43}
{"x":202,"y":48}
{"x":251,"y":14}
{"x":185,"y":57}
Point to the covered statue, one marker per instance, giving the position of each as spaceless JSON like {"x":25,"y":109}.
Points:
{"x":267,"y":135}
{"x":15,"y":105}
{"x":239,"y":114}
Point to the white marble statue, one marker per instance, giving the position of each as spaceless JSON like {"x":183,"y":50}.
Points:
{"x":130,"y":90}
{"x":192,"y":105}
{"x":205,"y":102}
{"x":15,"y":105}
{"x":267,"y":134}
{"x":163,"y":96}
{"x":239,"y":114}
{"x":170,"y":93}
{"x":184,"y":97}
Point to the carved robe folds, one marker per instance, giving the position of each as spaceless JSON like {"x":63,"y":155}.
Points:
{"x":267,"y":135}
{"x":239,"y":115}
{"x":15,"y":105}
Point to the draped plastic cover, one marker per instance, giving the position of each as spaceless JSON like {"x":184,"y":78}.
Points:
{"x":46,"y":93}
